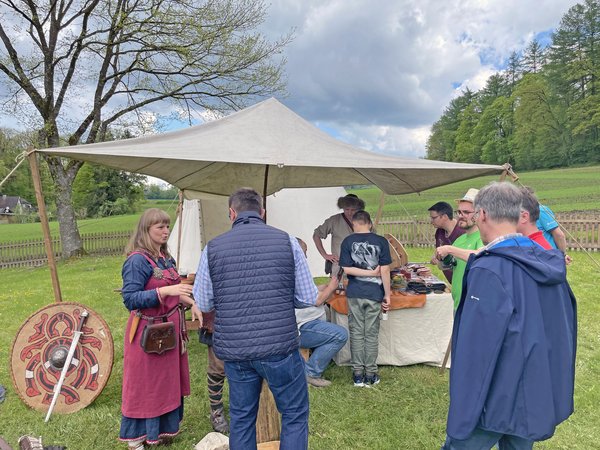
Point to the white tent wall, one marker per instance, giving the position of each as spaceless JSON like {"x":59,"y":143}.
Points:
{"x":299,"y":212}
{"x":296,"y":211}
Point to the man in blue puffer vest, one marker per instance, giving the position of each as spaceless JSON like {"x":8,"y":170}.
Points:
{"x":254,"y":276}
{"x":514,"y":336}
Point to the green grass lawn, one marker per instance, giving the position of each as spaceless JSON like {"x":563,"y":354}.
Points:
{"x":406,"y":411}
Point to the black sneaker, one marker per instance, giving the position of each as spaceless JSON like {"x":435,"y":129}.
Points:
{"x":359,"y":380}
{"x":372,"y":380}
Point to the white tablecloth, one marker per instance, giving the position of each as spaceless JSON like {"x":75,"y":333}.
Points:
{"x":410,"y":335}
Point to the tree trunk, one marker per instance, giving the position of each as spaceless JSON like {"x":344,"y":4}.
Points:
{"x":72,"y":245}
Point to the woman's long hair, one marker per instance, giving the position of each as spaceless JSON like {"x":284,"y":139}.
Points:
{"x":140,"y":239}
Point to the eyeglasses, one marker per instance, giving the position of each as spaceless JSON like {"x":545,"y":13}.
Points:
{"x":433,"y":217}
{"x":460,"y":212}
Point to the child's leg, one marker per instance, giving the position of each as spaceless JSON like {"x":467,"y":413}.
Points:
{"x":371,"y":310}
{"x":356,"y":327}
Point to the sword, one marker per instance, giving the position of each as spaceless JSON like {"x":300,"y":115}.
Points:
{"x":58,"y":386}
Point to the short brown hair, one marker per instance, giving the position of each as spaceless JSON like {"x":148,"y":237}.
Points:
{"x":350,"y":201}
{"x":362,"y":217}
{"x":530,"y":204}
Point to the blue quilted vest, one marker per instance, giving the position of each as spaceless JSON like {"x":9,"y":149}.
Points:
{"x":253,"y":275}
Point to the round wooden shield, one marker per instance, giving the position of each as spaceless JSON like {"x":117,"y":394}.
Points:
{"x":40,"y":349}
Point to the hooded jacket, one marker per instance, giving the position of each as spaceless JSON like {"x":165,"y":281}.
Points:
{"x":513,"y":343}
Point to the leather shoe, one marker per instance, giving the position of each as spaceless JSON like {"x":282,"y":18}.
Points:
{"x":219,"y":422}
{"x":30,"y":443}
{"x":318,"y":381}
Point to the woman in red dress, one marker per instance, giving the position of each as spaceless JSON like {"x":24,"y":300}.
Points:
{"x":154,"y":384}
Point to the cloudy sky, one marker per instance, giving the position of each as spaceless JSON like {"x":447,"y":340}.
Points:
{"x":378,"y":73}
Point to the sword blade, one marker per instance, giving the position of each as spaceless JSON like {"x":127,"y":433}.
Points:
{"x":58,"y":386}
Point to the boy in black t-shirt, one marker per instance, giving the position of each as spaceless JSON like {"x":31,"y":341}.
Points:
{"x":365,"y":257}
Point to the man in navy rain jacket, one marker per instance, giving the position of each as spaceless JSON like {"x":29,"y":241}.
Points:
{"x":514,"y":336}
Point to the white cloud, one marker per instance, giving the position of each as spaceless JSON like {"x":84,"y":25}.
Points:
{"x":392,"y":140}
{"x":380,"y":72}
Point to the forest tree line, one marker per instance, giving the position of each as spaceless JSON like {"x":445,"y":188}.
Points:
{"x":542,"y":111}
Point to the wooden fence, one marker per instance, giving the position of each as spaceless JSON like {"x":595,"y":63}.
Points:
{"x":582,"y":231}
{"x":33,"y":253}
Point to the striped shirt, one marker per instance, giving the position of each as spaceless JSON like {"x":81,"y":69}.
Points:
{"x":305,"y":291}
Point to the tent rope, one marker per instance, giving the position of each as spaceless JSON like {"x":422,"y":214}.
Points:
{"x":19,"y":159}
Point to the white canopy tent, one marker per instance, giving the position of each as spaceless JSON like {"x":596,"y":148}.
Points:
{"x":297,"y":211}
{"x":268,"y":147}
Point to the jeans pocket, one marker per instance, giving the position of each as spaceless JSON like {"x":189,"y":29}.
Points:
{"x":284,"y":369}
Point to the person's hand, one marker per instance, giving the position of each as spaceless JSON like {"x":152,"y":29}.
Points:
{"x":568,"y":259}
{"x":330,"y":257}
{"x":442,"y":251}
{"x":434,"y":260}
{"x":196,"y":314}
{"x":385,"y":305}
{"x":176,"y":289}
{"x":333,"y":284}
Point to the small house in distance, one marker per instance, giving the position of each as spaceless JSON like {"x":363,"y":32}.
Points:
{"x":12,"y":207}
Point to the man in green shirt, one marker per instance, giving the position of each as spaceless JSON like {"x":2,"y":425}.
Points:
{"x":464,"y":245}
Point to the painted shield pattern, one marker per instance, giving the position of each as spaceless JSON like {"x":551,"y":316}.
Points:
{"x":40,"y":349}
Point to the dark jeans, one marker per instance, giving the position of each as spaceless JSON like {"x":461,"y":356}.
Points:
{"x":287,"y":381}
{"x":485,"y":440}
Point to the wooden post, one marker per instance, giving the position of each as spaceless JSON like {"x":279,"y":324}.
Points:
{"x":37,"y":184}
{"x":268,"y":421}
{"x":265,"y":187}
{"x":380,"y":209}
{"x":305,"y":352}
{"x":180,"y":227}
{"x":446,"y":356}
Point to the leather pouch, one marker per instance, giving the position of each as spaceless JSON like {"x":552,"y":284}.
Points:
{"x":205,"y":334}
{"x":159,"y":337}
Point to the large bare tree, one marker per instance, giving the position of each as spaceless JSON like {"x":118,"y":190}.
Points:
{"x":82,"y":66}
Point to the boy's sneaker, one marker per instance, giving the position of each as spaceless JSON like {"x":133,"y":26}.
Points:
{"x":359,"y":380}
{"x":372,"y":380}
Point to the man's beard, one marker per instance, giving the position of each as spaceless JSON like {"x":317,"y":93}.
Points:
{"x":466,"y":224}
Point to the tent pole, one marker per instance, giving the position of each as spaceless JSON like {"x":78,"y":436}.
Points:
{"x":180,"y":227}
{"x":37,"y":184}
{"x":380,"y":209}
{"x":266,"y":182}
